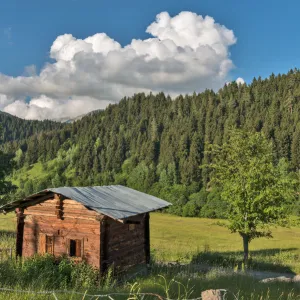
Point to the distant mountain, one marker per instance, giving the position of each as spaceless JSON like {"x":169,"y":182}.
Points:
{"x":71,"y":120}
{"x":15,"y":128}
{"x":5,"y":113}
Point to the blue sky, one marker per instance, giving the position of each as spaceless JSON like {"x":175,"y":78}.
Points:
{"x":267,"y":31}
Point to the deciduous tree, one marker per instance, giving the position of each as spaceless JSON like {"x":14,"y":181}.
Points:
{"x":256,"y":190}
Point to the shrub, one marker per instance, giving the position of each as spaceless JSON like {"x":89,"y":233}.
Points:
{"x":214,"y":207}
{"x":47,"y":272}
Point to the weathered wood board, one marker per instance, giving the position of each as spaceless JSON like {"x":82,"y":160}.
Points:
{"x":65,"y":227}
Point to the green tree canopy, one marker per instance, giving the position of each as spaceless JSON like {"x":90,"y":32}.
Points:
{"x":6,"y":164}
{"x":256,"y":189}
{"x":154,"y":143}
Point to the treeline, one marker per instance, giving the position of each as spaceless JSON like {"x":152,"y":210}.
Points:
{"x":14,"y":128}
{"x":155,"y":144}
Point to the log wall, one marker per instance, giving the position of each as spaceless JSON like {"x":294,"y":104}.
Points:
{"x":62,"y":221}
{"x":126,"y":243}
{"x":103,"y":241}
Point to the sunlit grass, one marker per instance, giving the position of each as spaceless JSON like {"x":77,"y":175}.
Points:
{"x":205,"y":241}
{"x":35,"y":171}
{"x":7,"y":231}
{"x":168,"y":282}
{"x":200,"y":241}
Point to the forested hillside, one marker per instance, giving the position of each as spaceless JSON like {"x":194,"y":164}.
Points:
{"x":155,"y":144}
{"x":17,"y":129}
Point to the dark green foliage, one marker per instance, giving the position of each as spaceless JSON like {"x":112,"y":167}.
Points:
{"x":6,"y":165}
{"x":46,"y":272}
{"x":156,"y":144}
{"x":256,"y":190}
{"x":18,"y":129}
{"x":214,"y":206}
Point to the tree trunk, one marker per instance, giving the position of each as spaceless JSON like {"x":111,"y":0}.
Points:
{"x":246,"y":248}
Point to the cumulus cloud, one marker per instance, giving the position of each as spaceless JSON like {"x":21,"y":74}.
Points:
{"x":4,"y":101}
{"x":43,"y":107}
{"x":240,"y":80}
{"x":186,"y":53}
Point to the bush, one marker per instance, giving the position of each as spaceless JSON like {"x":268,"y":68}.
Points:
{"x":196,"y":202}
{"x":46,"y":272}
{"x":215,"y":207}
{"x":190,"y":209}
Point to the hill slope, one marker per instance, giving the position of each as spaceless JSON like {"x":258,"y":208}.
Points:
{"x":155,"y":144}
{"x":15,"y":128}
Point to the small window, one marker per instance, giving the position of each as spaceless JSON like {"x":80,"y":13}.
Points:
{"x":49,"y":244}
{"x":46,"y":244}
{"x":75,"y":248}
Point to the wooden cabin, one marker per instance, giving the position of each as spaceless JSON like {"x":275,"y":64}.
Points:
{"x":102,"y":225}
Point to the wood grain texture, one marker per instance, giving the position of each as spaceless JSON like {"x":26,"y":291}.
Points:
{"x":77,"y":223}
{"x":126,"y":247}
{"x":103,"y":242}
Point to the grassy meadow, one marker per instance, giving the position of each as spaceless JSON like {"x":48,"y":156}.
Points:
{"x":7,"y":230}
{"x":35,"y":171}
{"x":207,"y":241}
{"x":189,"y":241}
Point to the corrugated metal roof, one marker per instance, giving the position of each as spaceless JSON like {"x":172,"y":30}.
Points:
{"x":116,"y":201}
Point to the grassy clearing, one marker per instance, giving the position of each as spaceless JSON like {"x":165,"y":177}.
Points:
{"x":193,"y":240}
{"x":33,"y":172}
{"x":8,"y":222}
{"x":191,"y":284}
{"x":40,"y":274}
{"x":36,"y":171}
{"x":7,"y":231}
{"x":204,"y":241}
{"x":189,"y":240}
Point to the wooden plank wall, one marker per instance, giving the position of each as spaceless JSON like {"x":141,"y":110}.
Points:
{"x":64,"y":220}
{"x":126,"y":243}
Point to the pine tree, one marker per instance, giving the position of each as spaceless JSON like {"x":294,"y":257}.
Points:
{"x":6,"y":164}
{"x":296,"y":148}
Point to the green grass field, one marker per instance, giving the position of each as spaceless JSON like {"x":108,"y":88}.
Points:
{"x":7,"y":230}
{"x":187,"y":240}
{"x":204,"y":241}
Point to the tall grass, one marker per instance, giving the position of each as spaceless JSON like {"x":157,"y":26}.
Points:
{"x":182,"y":283}
{"x":43,"y":273}
{"x":195,"y":242}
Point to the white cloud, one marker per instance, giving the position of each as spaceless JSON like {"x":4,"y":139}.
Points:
{"x":4,"y":101}
{"x":44,"y":107}
{"x":240,"y":80}
{"x":186,"y":53}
